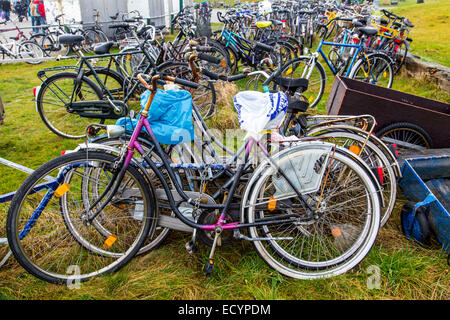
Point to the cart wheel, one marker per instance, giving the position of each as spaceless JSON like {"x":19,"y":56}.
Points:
{"x":416,"y":226}
{"x":406,"y":136}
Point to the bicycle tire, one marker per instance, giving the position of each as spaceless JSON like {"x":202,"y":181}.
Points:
{"x":37,"y":51}
{"x":317,"y":79}
{"x":114,"y":255}
{"x":398,"y":133}
{"x":375,"y":159}
{"x":285,"y":255}
{"x":113,"y":80}
{"x":204,"y":98}
{"x":75,"y":124}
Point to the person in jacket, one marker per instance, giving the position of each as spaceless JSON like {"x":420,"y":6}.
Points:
{"x":36,"y":10}
{"x":5,"y":7}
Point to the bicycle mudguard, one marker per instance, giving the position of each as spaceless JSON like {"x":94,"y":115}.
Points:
{"x":377,"y":141}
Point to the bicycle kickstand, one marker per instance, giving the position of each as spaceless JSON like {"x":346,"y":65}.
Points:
{"x":210,"y":263}
{"x":190,"y":246}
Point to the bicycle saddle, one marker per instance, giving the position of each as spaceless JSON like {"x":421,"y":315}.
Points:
{"x":292,"y":84}
{"x":383,"y":21}
{"x":71,"y":39}
{"x":103,"y":48}
{"x":408,"y":23}
{"x":356,"y":23}
{"x":368,"y":31}
{"x":263,"y":24}
{"x":296,"y":105}
{"x":119,"y":25}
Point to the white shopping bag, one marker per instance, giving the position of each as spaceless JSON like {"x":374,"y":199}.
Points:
{"x":258,"y":111}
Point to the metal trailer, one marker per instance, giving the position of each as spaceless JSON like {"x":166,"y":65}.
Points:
{"x":393,"y":110}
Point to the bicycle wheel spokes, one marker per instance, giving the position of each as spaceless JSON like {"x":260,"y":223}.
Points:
{"x":60,"y":244}
{"x":300,"y":68}
{"x":54,"y":105}
{"x":338,"y":235}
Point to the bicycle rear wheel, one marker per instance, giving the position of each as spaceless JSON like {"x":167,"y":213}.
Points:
{"x":374,"y":69}
{"x":56,"y":93}
{"x":314,"y":72}
{"x":47,"y":223}
{"x":346,"y":215}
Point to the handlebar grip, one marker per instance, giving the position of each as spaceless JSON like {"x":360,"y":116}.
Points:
{"x":186,"y":83}
{"x":263,"y":46}
{"x":142,"y":81}
{"x":236,"y":77}
{"x":209,"y":58}
{"x":210,"y":74}
{"x":204,"y":49}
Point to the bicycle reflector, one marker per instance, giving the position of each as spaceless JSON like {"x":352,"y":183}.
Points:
{"x":36,"y":90}
{"x":272,"y":204}
{"x":62,"y":189}
{"x":355,"y":149}
{"x":110,"y":240}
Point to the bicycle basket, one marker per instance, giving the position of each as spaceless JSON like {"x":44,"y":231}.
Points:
{"x":258,"y":111}
{"x":170,"y":116}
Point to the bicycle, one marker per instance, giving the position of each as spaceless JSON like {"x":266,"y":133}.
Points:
{"x":374,"y":68}
{"x":27,"y":49}
{"x":280,"y":213}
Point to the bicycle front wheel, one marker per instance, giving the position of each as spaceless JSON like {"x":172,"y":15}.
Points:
{"x":343,"y":226}
{"x":47,"y":225}
{"x":31,"y":50}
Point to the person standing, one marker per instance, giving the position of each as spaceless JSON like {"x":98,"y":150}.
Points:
{"x":36,"y":11}
{"x":6,"y":9}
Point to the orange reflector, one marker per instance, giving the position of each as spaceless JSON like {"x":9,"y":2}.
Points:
{"x":128,"y":57}
{"x":272,"y":204}
{"x":110,"y":240}
{"x":62,"y":189}
{"x":355,"y":149}
{"x":224,"y":64}
{"x":311,"y":99}
{"x":336,"y":232}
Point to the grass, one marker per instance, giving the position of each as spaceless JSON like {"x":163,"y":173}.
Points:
{"x":430,"y":19}
{"x":407,"y":271}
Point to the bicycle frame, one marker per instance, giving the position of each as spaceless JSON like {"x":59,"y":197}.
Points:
{"x":358,"y":48}
{"x":221,"y":224}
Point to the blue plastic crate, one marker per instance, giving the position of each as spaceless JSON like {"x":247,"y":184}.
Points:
{"x":426,"y":182}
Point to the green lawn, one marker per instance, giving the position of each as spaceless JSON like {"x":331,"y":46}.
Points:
{"x":430,"y":32}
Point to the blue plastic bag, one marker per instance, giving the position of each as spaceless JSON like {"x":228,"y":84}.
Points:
{"x":170,"y":116}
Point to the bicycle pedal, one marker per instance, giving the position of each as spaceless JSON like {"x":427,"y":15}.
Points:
{"x":209,"y":267}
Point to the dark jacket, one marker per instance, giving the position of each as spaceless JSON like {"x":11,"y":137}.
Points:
{"x":5,"y":5}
